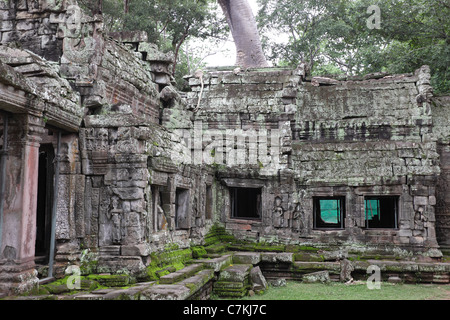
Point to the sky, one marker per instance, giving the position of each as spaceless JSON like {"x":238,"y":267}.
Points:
{"x":227,"y":55}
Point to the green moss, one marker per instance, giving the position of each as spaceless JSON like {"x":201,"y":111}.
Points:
{"x":307,"y":248}
{"x":306,"y":256}
{"x":216,"y":248}
{"x":198,"y":252}
{"x":163,"y":263}
{"x":115,"y":280}
{"x":218,"y":234}
{"x":261,"y":247}
{"x":60,"y":286}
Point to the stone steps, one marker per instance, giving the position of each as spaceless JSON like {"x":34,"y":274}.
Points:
{"x":232,"y":275}
{"x":182,"y":274}
{"x":179,"y":285}
{"x":216,"y":263}
{"x":233,"y":281}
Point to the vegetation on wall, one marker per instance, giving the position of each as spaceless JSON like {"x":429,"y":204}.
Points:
{"x":341,"y":37}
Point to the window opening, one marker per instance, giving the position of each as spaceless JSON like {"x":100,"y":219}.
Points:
{"x":381,"y":212}
{"x":245,"y":203}
{"x":329,"y":212}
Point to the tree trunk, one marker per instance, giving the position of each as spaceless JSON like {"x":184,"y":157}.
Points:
{"x":240,"y":18}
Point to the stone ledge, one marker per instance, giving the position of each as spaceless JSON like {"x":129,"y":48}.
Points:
{"x":166,"y":292}
{"x":217,"y":263}
{"x":247,"y":258}
{"x":180,"y":275}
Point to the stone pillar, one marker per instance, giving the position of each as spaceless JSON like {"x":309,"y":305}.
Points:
{"x":19,"y":229}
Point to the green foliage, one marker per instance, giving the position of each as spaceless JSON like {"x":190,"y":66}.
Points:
{"x":332,"y":36}
{"x":168,"y":23}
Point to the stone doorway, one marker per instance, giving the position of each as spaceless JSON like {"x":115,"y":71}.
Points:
{"x":44,"y":203}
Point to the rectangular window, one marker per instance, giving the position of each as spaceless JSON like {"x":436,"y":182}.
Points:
{"x":329,"y":212}
{"x":245,"y":203}
{"x":381,"y":212}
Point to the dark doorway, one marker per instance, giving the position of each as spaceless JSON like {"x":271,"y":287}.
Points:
{"x":44,"y":203}
{"x":245,"y":203}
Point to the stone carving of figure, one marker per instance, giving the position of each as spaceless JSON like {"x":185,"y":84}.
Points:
{"x":278,"y":213}
{"x":419,"y":221}
{"x":115,"y":215}
{"x":78,"y":45}
{"x":102,"y":142}
{"x":297,"y":219}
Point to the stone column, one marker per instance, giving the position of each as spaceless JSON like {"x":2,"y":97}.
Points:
{"x":19,"y":228}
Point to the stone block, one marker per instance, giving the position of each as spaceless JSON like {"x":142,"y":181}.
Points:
{"x":88,"y":296}
{"x":283,"y":257}
{"x":420,"y":201}
{"x":319,"y":276}
{"x":257,"y":279}
{"x":432,"y":200}
{"x":135,"y":250}
{"x":247,"y":258}
{"x":25,"y":25}
{"x":133,"y":193}
{"x":235,"y":273}
{"x":419,"y":190}
{"x":111,"y":280}
{"x":217,"y":263}
{"x":165,"y":292}
{"x":394,"y":279}
{"x":199,"y":280}
{"x":132,"y":293}
{"x":172,"y":278}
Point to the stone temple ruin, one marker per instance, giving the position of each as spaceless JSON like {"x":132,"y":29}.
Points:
{"x":105,"y":165}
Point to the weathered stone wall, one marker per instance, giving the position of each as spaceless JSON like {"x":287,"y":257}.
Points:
{"x":34,"y":24}
{"x":355,"y":138}
{"x":370,"y":137}
{"x":144,"y":167}
{"x":441,"y":130}
{"x":120,"y":171}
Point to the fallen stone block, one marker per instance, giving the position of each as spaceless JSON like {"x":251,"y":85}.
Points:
{"x":394,"y":279}
{"x":258,"y":280}
{"x":280,"y":282}
{"x":319,"y":276}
